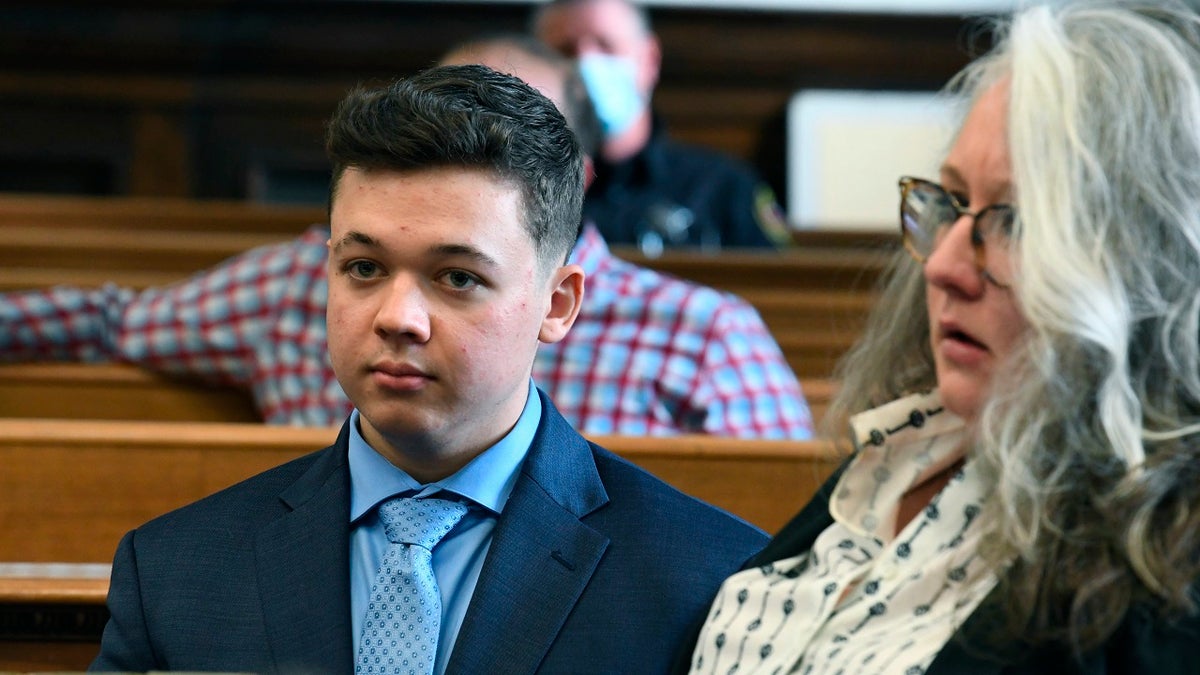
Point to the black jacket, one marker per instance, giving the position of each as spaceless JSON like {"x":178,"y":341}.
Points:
{"x":712,"y":199}
{"x":1142,"y":645}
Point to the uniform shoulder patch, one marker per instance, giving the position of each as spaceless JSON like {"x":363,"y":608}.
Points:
{"x":770,"y":216}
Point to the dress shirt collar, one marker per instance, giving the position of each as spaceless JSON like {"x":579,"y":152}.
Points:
{"x":487,"y":480}
{"x":899,"y":445}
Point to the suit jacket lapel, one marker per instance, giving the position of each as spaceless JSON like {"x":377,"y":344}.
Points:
{"x":541,"y":556}
{"x":303,"y":567}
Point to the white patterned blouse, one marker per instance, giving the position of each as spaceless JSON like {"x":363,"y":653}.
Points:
{"x":865,"y":598}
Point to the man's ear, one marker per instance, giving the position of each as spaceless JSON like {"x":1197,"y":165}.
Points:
{"x":566,"y":296}
{"x":651,"y":64}
{"x":589,"y":172}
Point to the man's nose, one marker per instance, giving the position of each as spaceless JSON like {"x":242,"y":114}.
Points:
{"x":404,"y":311}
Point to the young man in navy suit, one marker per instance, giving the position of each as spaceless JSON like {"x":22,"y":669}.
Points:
{"x":456,"y":200}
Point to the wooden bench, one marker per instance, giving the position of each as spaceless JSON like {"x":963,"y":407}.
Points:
{"x":168,"y":214}
{"x":814,"y":329}
{"x":117,"y":391}
{"x":72,"y":488}
{"x":813,"y":298}
{"x":179,"y":252}
{"x":186,"y":235}
{"x":186,"y":251}
{"x":814,"y":324}
{"x":122,"y":213}
{"x":98,"y":479}
{"x":51,"y":615}
{"x":793,"y":309}
{"x":840,"y":268}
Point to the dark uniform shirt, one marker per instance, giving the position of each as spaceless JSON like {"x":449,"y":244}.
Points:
{"x":672,"y":195}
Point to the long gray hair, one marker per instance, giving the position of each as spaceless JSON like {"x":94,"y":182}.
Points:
{"x":1091,"y":436}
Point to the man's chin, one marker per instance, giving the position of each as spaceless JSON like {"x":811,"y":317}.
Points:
{"x":402,"y":425}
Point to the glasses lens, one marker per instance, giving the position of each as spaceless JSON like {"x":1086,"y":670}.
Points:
{"x":925,"y":209}
{"x":994,"y":226}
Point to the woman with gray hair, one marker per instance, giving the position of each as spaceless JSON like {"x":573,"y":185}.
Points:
{"x":1024,"y":496}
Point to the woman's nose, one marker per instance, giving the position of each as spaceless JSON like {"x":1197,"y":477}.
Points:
{"x":953,"y":265}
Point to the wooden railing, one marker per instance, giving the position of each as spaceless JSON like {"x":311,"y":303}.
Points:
{"x":813,"y":297}
{"x":51,"y":616}
{"x":123,"y":214}
{"x":115,"y":391}
{"x":216,"y":99}
{"x":71,"y":488}
{"x":98,"y":479}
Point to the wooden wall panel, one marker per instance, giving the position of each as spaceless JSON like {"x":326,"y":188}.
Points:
{"x":226,"y":99}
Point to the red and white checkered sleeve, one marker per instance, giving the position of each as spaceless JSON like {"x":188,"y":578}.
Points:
{"x":206,"y":326}
{"x":60,"y":324}
{"x":745,"y":383}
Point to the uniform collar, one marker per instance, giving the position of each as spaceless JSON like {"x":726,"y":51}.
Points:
{"x":648,"y":166}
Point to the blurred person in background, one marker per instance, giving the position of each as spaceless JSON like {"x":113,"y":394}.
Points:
{"x":648,"y":355}
{"x":650,"y":190}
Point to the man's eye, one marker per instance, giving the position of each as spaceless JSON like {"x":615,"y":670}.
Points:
{"x":460,"y":279}
{"x":364,"y":269}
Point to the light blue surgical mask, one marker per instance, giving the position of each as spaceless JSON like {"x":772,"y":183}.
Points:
{"x":611,"y":82}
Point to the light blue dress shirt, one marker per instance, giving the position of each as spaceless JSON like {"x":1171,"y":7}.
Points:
{"x":485,"y":483}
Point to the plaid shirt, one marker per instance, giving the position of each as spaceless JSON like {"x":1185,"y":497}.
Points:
{"x":648,"y":355}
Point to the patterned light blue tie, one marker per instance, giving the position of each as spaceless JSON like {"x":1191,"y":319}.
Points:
{"x":400,"y":631}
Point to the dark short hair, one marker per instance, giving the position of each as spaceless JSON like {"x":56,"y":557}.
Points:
{"x":471,"y":117}
{"x":576,"y":105}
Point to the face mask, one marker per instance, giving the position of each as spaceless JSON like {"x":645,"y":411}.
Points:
{"x":611,"y":82}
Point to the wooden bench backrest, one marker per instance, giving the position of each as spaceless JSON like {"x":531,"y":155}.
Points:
{"x":185,"y":251}
{"x":123,"y":212}
{"x":168,"y":214}
{"x":114,"y":391}
{"x":813,"y":329}
{"x":814,"y":298}
{"x":71,"y":488}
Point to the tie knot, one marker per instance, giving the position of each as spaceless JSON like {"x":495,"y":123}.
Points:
{"x":419,"y":521}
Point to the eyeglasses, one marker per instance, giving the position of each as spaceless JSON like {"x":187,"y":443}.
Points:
{"x":927,"y":212}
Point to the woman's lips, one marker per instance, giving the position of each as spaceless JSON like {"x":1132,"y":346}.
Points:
{"x":959,"y":346}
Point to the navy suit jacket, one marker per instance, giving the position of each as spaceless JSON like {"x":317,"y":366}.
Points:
{"x":595,"y":567}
